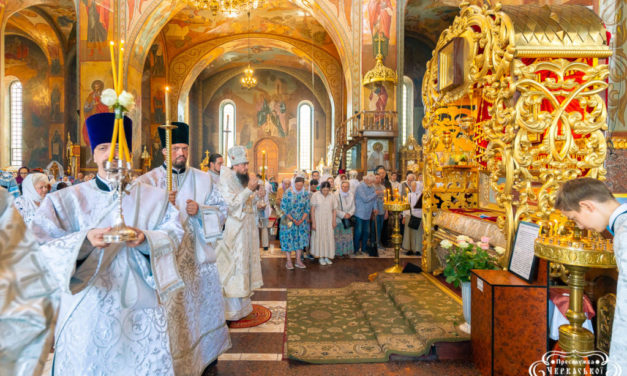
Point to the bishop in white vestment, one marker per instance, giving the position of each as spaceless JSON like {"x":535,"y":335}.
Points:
{"x":29,"y":298}
{"x":238,"y":258}
{"x":198,"y":331}
{"x":112,"y":320}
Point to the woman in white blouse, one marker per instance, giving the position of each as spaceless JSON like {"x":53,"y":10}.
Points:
{"x":34,"y":189}
{"x":412,"y":219}
{"x":345,"y":208}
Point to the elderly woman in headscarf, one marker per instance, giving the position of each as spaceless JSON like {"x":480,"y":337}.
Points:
{"x":294,"y":225}
{"x":34,"y":189}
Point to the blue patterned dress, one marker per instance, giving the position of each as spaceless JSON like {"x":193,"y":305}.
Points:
{"x":294,"y":237}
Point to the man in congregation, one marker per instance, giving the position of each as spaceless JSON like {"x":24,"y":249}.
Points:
{"x":315,"y":175}
{"x":112,"y":317}
{"x":365,"y":206}
{"x":198,"y":330}
{"x":215,"y":164}
{"x":238,"y":258}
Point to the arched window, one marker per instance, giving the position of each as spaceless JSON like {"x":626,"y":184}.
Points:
{"x":227,"y":126}
{"x":305,"y":135}
{"x":16,"y":122}
{"x":407,"y":127}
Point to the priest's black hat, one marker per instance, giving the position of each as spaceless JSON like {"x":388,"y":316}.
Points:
{"x":100,"y":129}
{"x":180,"y":134}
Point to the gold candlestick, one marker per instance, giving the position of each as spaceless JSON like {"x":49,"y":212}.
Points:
{"x":263,"y":165}
{"x":577,"y":257}
{"x":396,"y":208}
{"x":168,"y":139}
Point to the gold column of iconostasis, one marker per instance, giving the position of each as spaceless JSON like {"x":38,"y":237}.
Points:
{"x":514,"y":106}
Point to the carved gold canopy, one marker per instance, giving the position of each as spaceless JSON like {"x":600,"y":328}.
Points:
{"x":556,"y":31}
{"x":524,"y":87}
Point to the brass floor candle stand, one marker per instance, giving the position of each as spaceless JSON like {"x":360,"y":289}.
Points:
{"x":577,"y":254}
{"x":396,"y":209}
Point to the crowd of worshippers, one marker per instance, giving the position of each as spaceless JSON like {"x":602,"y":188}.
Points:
{"x":316,"y":216}
{"x":323,"y":216}
{"x":29,"y":186}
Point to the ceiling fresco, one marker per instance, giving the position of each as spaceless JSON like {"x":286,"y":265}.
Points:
{"x":268,"y":55}
{"x":428,"y":18}
{"x":33,"y":26}
{"x":190,"y":27}
{"x":64,"y":16}
{"x":33,"y":22}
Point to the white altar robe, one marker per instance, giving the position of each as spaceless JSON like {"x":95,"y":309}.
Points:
{"x":110,"y":321}
{"x":29,"y":298}
{"x":198,"y":331}
{"x":618,"y":345}
{"x":238,"y":258}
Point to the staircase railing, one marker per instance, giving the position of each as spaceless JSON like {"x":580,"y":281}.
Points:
{"x":362,"y":124}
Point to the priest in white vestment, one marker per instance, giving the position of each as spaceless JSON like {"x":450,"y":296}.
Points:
{"x":238,"y":258}
{"x":112,"y":319}
{"x":29,"y":297}
{"x":198,"y":330}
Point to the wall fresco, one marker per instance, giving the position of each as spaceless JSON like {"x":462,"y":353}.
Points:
{"x":268,"y":111}
{"x":25,"y":60}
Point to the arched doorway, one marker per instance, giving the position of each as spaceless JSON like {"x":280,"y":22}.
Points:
{"x":272,"y":151}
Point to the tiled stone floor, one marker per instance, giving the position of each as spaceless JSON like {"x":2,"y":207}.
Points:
{"x":259,"y":350}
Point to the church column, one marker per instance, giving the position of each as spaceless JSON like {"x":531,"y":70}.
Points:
{"x":400,"y":69}
{"x":614,"y":15}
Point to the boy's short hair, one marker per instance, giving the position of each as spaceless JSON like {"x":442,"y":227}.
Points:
{"x":313,"y":182}
{"x":574,"y":191}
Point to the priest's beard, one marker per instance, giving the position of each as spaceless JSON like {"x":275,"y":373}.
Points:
{"x":179,"y":163}
{"x":243,"y":179}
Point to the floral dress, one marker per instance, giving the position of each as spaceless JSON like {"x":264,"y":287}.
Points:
{"x":293,"y":237}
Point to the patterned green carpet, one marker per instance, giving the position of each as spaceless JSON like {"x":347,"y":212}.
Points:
{"x":367,"y":322}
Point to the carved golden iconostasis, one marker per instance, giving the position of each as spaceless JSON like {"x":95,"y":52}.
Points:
{"x":514,"y":105}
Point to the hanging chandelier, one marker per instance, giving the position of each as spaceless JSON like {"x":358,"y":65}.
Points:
{"x":249,"y":81}
{"x":226,"y":7}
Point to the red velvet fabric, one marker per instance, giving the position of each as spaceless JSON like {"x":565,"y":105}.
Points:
{"x":561,"y":298}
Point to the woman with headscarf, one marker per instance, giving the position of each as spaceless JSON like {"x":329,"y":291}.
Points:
{"x":294,"y":235}
{"x":345,"y":208}
{"x":35,"y":188}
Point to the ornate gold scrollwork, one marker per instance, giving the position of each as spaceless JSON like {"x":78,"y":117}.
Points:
{"x":538,"y":119}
